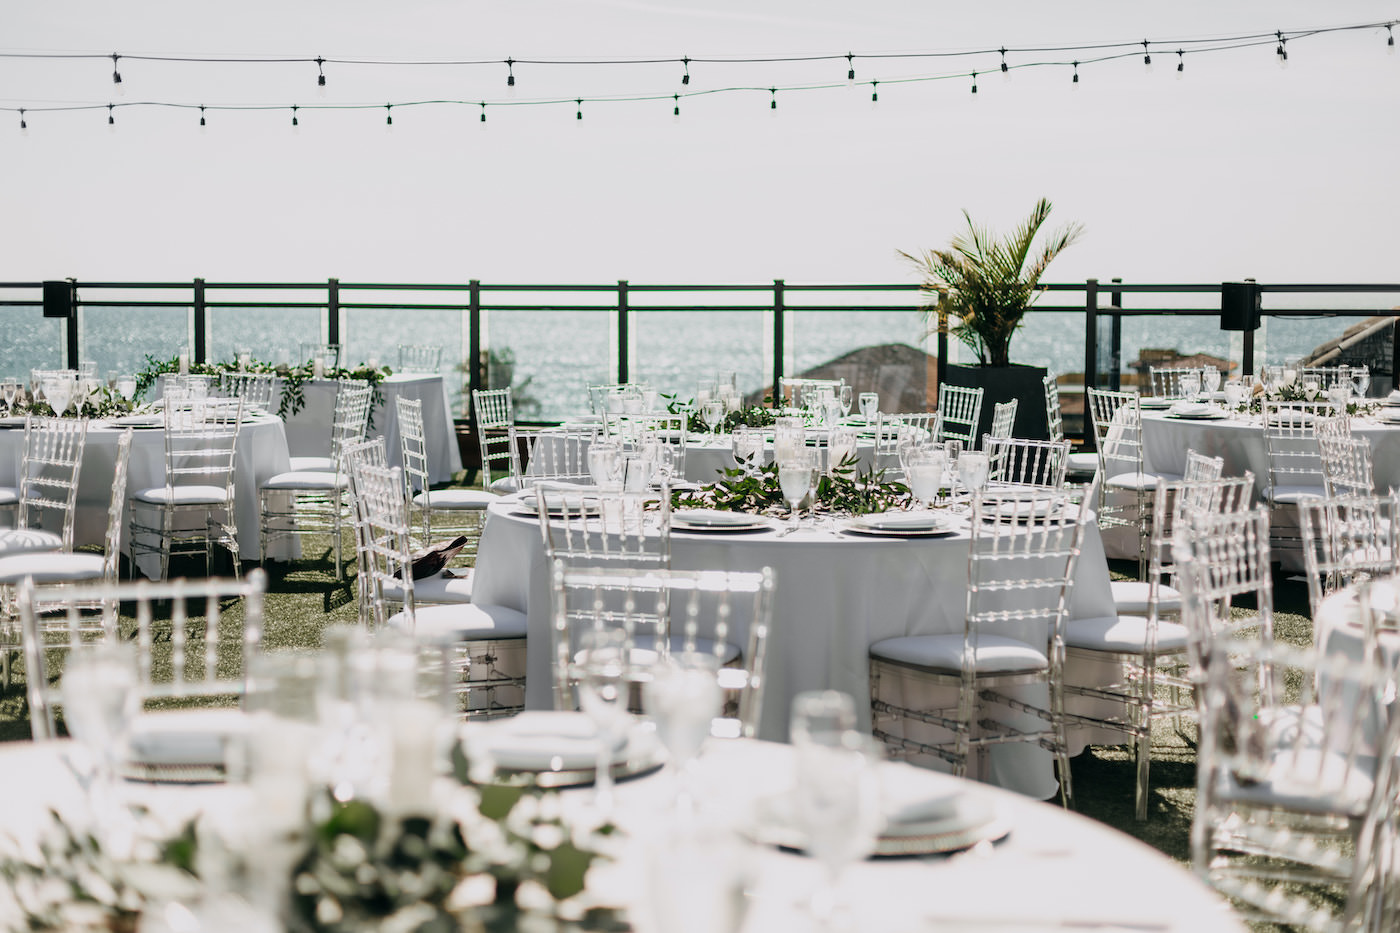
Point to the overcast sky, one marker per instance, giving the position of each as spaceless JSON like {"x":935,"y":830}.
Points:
{"x":1238,"y":168}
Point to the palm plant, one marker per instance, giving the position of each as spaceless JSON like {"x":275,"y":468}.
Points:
{"x":989,"y":283}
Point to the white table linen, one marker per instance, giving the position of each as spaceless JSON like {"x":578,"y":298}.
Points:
{"x":1055,"y":869}
{"x":835,"y":595}
{"x":261,"y":453}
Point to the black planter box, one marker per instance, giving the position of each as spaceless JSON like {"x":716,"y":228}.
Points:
{"x":1002,"y":384}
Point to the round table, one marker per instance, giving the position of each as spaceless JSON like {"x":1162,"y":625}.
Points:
{"x":261,"y":453}
{"x":835,"y":595}
{"x":1054,"y":870}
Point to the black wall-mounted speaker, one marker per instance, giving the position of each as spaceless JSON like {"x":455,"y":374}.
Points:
{"x":1240,"y":303}
{"x":59,"y":298}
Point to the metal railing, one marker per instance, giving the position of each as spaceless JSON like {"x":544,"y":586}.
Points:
{"x":1100,"y":303}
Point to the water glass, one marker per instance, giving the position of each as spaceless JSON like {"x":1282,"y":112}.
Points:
{"x":683,"y":698}
{"x":845,"y":394}
{"x":603,"y":687}
{"x":605,"y":463}
{"x":9,"y":389}
{"x":972,"y":471}
{"x":1190,"y":385}
{"x":837,"y":797}
{"x":924,"y":469}
{"x":1235,"y":394}
{"x":841,"y":447}
{"x":820,"y":716}
{"x":100,"y":696}
{"x":1361,"y":378}
{"x":869,"y":406}
{"x":746,"y":444}
{"x":795,"y":474}
{"x":712,"y":410}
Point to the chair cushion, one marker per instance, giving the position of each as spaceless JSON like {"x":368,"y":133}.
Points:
{"x":1083,"y":464}
{"x":1130,"y":597}
{"x":183,"y":495}
{"x":1144,"y":480}
{"x":319,"y":464}
{"x":306,"y":479}
{"x":505,"y":486}
{"x":464,"y":622}
{"x":1126,"y":634}
{"x":473,"y":499}
{"x":435,"y":589}
{"x":996,"y":654}
{"x":22,"y":540}
{"x":49,"y":567}
{"x":645,"y":656}
{"x":1284,"y":494}
{"x":9,"y":495}
{"x":186,"y":736}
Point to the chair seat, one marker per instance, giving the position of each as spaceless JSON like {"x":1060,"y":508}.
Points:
{"x":465,"y":622}
{"x":645,"y":656}
{"x":186,"y":736}
{"x":1082,"y":464}
{"x":995,"y":654}
{"x":1122,"y":634}
{"x":505,"y":486}
{"x":9,"y":495}
{"x":318,"y":464}
{"x":307,"y":479}
{"x":459,"y":499}
{"x":1284,"y":494}
{"x":183,"y":495}
{"x":1143,"y":480}
{"x":50,"y":568}
{"x":1131,"y":597}
{"x":23,"y":540}
{"x":435,"y":589}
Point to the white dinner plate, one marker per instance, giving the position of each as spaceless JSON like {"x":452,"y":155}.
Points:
{"x":1151,"y":402}
{"x":1212,"y":414}
{"x":557,"y":501}
{"x":560,"y":747}
{"x":899,"y":525}
{"x":717,"y":520}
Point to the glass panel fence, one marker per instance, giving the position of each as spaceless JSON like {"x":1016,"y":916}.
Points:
{"x":120,"y":339}
{"x":32,"y":341}
{"x":271,"y":334}
{"x":675,"y":351}
{"x":375,"y":335}
{"x":549,"y":359}
{"x":874,"y":351}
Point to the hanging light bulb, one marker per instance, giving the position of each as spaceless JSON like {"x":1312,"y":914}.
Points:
{"x":388,"y":114}
{"x":1282,"y":50}
{"x":320,"y":76}
{"x":483,"y":115}
{"x":1005,"y":69}
{"x":578,"y":115}
{"x":676,"y":111}
{"x":111,"y":118}
{"x":1180,"y":62}
{"x":773,"y":103}
{"x":1389,"y":39}
{"x":974,"y":82}
{"x":685,"y":78}
{"x":295,"y":122}
{"x":874,"y":92}
{"x":23,"y":126}
{"x":1076,"y":74}
{"x":201,"y":118}
{"x":850,"y":69}
{"x":1146,"y":56}
{"x":116,"y":72}
{"x":510,"y":77}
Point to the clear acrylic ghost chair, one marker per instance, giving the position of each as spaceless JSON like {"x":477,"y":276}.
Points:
{"x":558,"y":456}
{"x":1025,"y":464}
{"x":1003,"y":419}
{"x":417,"y":358}
{"x":1347,"y":539}
{"x":370,"y":452}
{"x":595,"y":529}
{"x":1021,"y":564}
{"x":1223,"y":556}
{"x":192,"y":512}
{"x":1346,"y":465}
{"x":484,"y":639}
{"x":1295,"y":784}
{"x":1326,"y":376}
{"x":893,"y":430}
{"x":959,"y":412}
{"x":48,"y":486}
{"x":666,"y":613}
{"x":299,"y":503}
{"x":454,"y":511}
{"x":206,"y":633}
{"x":256,"y":389}
{"x":497,"y":439}
{"x":1081,"y":466}
{"x":1295,"y":462}
{"x":1166,"y":380}
{"x":349,"y":421}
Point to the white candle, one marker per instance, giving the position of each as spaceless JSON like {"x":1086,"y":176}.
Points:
{"x":318,"y":368}
{"x":415,"y":728}
{"x":184,"y":362}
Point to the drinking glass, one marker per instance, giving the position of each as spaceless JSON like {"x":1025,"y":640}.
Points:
{"x":605,"y":463}
{"x":1235,"y":394}
{"x":1361,"y":377}
{"x":100,"y":697}
{"x":954,"y":449}
{"x":1290,"y":373}
{"x":712,"y":411}
{"x":745,"y":443}
{"x":58,"y":389}
{"x":1190,"y":385}
{"x":817,"y":715}
{"x":602,"y":693}
{"x":869,"y":406}
{"x":1210,"y":379}
{"x":831,"y":410}
{"x":795,"y":479}
{"x":683,"y":698}
{"x":972,"y":471}
{"x":9,"y":389}
{"x":1273,"y":379}
{"x":925,"y":467}
{"x":788,"y":438}
{"x":126,"y":387}
{"x":841,"y":446}
{"x":845,"y":395}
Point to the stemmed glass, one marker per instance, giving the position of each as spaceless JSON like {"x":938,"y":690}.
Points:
{"x":683,"y":697}
{"x":602,"y":693}
{"x":745,"y":443}
{"x":9,"y":388}
{"x":100,"y":699}
{"x":845,"y":394}
{"x":126,"y":386}
{"x":1361,"y":377}
{"x":831,"y":410}
{"x":605,"y":463}
{"x":869,"y":406}
{"x":712,"y":411}
{"x":795,"y":479}
{"x":925,"y":467}
{"x":1190,"y":385}
{"x":1210,"y":379}
{"x":58,"y":389}
{"x":972,"y":471}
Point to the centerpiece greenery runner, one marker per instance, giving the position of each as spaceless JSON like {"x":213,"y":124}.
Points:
{"x":755,"y":416}
{"x":294,"y":378}
{"x":846,"y":490}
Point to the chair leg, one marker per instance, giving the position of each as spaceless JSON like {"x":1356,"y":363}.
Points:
{"x":167,"y":523}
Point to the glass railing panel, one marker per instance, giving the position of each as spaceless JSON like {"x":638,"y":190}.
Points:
{"x":373,"y":335}
{"x":874,"y":351}
{"x":32,"y":341}
{"x":549,"y":359}
{"x":271,"y":334}
{"x":122,"y":339}
{"x":675,"y":351}
{"x":1174,"y":341}
{"x":1286,"y":339}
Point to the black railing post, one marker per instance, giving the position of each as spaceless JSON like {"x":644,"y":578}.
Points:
{"x":199,"y":352}
{"x":333,"y":312}
{"x":70,"y":331}
{"x":622,"y":335}
{"x":476,"y":376}
{"x":941,"y":365}
{"x":1395,"y":354}
{"x":1091,"y":334}
{"x":1115,"y":378}
{"x":778,"y":313}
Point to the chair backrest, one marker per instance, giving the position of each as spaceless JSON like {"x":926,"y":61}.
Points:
{"x":959,"y":412}
{"x":1346,"y":464}
{"x":1200,"y":468}
{"x":1173,"y":506}
{"x":49,"y":471}
{"x":369,"y":452}
{"x":256,"y":389}
{"x":201,"y":438}
{"x":383,"y":545}
{"x":790,"y":388}
{"x":353,"y":398}
{"x":558,"y":456}
{"x":1020,"y":569}
{"x":413,"y":446}
{"x":593,"y":529}
{"x":493,"y":407}
{"x":1347,"y":538}
{"x":1019,"y":461}
{"x":893,"y":429}
{"x":1117,"y":420}
{"x":1325,"y":376}
{"x":201,"y":650}
{"x":1226,"y":555}
{"x":1003,"y":419}
{"x":418,"y":358}
{"x":692,"y":611}
{"x":1166,"y":380}
{"x":116,"y":509}
{"x":1054,"y":415}
{"x":496,"y":435}
{"x":1290,"y":439}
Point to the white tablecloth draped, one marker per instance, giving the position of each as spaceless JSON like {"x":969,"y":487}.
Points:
{"x":835,"y":595}
{"x":1055,"y":870}
{"x":261,"y":452}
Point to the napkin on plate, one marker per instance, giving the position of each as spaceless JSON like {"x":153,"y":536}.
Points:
{"x":542,"y":741}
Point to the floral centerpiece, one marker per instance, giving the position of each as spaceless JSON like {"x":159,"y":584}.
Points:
{"x":845,"y":490}
{"x":294,"y":378}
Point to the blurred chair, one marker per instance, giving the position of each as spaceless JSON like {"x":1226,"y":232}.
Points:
{"x":256,"y":389}
{"x":1026,"y":463}
{"x":454,"y":511}
{"x":193,"y":511}
{"x":497,"y":439}
{"x":419,"y":358}
{"x":1081,"y":466}
{"x":1295,"y":463}
{"x":328,"y":354}
{"x":1166,"y":380}
{"x":959,"y":413}
{"x":1003,"y":419}
{"x":49,"y":470}
{"x":1347,"y":539}
{"x":349,"y":417}
{"x":1346,"y":464}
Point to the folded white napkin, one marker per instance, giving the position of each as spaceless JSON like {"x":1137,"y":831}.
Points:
{"x":541,"y":741}
{"x":186,"y":737}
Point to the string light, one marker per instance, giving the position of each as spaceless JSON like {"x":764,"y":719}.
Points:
{"x":116,"y":73}
{"x":1389,"y":39}
{"x":773,"y":104}
{"x":320,"y":71}
{"x":483,"y":112}
{"x":974,"y":82}
{"x":1005,"y":69}
{"x":850,"y":68}
{"x":22,"y":125}
{"x":1180,"y":62}
{"x":510,"y":72}
{"x":294,"y":115}
{"x":1076,"y":72}
{"x":388,"y":114}
{"x":201,"y":114}
{"x":874,"y":92}
{"x":111,"y":120}
{"x":685,"y":78}
{"x":1146,"y":55}
{"x":1281,"y":51}
{"x":677,"y":111}
{"x":579,"y":114}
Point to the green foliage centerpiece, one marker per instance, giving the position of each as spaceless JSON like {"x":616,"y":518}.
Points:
{"x":294,"y":378}
{"x":845,"y":490}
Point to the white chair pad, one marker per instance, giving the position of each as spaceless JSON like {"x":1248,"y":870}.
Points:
{"x":186,"y":736}
{"x":505,"y":486}
{"x":996,"y":654}
{"x":1130,"y":597}
{"x":1083,"y":463}
{"x":468,"y":622}
{"x":318,"y":464}
{"x":306,"y":479}
{"x":1308,"y":776}
{"x":22,"y":540}
{"x":1144,"y":480}
{"x":645,"y":656}
{"x":44,"y":567}
{"x":464,"y":499}
{"x":9,"y":495}
{"x":435,"y":589}
{"x":183,"y":495}
{"x":1293,"y":494}
{"x":1125,"y":634}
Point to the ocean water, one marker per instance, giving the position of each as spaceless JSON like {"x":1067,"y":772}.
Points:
{"x":557,"y":354}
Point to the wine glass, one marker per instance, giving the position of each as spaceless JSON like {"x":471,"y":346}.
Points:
{"x":1210,"y":379}
{"x":9,"y":389}
{"x":605,"y":463}
{"x":1190,"y":385}
{"x":869,"y":406}
{"x":100,"y":697}
{"x":58,"y":389}
{"x":795,"y":479}
{"x":846,"y":394}
{"x":126,"y":386}
{"x":972,"y":471}
{"x":1361,"y":377}
{"x":683,"y":697}
{"x":712,"y":411}
{"x":745,"y":443}
{"x":1235,"y":394}
{"x":925,"y":467}
{"x":602,"y":669}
